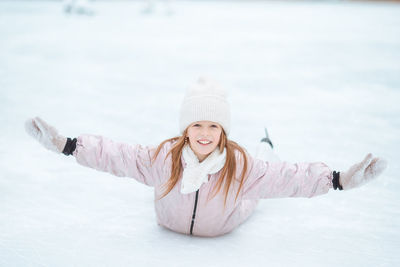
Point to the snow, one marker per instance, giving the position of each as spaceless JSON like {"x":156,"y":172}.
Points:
{"x":322,"y":76}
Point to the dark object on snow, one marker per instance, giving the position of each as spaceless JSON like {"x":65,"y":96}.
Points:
{"x":266,"y":138}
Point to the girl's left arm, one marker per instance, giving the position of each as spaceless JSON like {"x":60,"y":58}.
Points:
{"x":283,"y":179}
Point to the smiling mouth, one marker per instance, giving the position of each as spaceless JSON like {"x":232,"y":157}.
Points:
{"x":204,"y":142}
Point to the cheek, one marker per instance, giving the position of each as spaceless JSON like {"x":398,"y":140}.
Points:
{"x":217,"y":138}
{"x":191,"y":134}
{"x":192,"y":142}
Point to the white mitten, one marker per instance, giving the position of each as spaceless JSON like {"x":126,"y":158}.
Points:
{"x":46,"y":134}
{"x":362,"y":172}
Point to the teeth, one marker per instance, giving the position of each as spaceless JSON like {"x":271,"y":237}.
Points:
{"x":204,"y":142}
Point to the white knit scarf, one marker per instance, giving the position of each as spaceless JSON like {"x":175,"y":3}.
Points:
{"x":196,"y":173}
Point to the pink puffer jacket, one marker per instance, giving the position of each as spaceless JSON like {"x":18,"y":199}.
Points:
{"x":175,"y":210}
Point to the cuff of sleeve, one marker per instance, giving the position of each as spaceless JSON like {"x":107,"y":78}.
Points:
{"x":335,"y":180}
{"x":70,"y":146}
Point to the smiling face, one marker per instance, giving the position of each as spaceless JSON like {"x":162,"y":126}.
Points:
{"x":204,"y":137}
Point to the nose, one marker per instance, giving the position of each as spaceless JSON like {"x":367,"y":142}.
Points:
{"x":204,"y":131}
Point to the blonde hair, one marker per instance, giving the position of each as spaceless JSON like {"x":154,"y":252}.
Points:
{"x":228,"y":172}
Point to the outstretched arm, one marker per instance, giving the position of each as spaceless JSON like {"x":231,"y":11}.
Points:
{"x":283,"y":179}
{"x":97,"y":152}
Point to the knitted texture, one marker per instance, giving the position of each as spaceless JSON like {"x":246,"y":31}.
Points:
{"x":205,"y":100}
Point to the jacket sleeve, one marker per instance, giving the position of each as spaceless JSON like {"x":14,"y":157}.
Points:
{"x":120,"y":159}
{"x":283,"y":179}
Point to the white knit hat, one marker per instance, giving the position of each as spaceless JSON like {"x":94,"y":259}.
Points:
{"x":205,"y":101}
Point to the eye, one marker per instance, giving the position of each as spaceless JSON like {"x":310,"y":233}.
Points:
{"x":196,"y":125}
{"x":214,"y":126}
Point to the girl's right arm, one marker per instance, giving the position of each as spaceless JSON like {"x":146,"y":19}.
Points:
{"x":120,"y":159}
{"x":99,"y":152}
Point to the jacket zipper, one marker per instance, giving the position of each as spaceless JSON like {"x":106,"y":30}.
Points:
{"x":194,"y":212}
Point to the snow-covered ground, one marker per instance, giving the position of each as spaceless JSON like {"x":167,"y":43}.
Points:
{"x":323,"y":76}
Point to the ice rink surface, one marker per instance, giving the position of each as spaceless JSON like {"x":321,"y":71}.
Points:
{"x":324,"y":77}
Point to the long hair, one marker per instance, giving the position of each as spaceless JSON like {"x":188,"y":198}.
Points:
{"x":228,"y":172}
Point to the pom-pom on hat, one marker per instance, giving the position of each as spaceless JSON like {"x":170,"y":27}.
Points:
{"x":205,"y":100}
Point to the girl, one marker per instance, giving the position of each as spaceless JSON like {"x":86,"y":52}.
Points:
{"x":204,"y":183}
